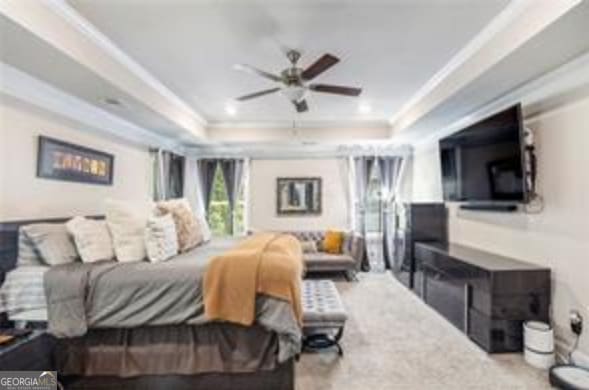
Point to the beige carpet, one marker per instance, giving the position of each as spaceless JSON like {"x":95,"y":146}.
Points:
{"x":394,"y":341}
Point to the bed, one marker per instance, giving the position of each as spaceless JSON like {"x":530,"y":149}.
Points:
{"x":137,"y":322}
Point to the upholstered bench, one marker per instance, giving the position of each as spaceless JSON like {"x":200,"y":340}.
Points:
{"x":324,"y":315}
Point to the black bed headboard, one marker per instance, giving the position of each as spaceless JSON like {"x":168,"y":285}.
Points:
{"x":9,"y":240}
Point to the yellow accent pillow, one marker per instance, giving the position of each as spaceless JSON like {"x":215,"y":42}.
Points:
{"x":333,"y":241}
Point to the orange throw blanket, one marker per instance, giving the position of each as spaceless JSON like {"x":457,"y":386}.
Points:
{"x":266,"y":263}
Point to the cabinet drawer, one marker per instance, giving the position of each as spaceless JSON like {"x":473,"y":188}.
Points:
{"x":495,"y":335}
{"x":445,"y":295}
{"x":512,"y":307}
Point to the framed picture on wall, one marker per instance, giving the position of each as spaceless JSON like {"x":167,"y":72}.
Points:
{"x":298,"y":196}
{"x":59,"y":160}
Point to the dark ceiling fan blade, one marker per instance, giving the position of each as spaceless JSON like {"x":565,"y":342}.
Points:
{"x":258,"y":94}
{"x":319,"y":66}
{"x":259,"y":72}
{"x":336,"y":89}
{"x":301,"y":106}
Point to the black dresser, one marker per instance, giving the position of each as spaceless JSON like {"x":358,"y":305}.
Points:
{"x":423,"y":222}
{"x":485,"y":295}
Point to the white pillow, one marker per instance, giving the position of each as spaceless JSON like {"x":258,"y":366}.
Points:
{"x":126,"y":221}
{"x":161,"y":239}
{"x":92,"y":239}
{"x":204,"y":228}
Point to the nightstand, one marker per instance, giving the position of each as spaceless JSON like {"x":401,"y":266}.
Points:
{"x":33,"y":352}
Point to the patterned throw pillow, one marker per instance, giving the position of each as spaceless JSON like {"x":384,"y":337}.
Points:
{"x":27,"y":254}
{"x":187,"y":226}
{"x":52,"y":242}
{"x":309,"y":246}
{"x":161,"y":239}
{"x":92,"y":239}
{"x":333,"y":241}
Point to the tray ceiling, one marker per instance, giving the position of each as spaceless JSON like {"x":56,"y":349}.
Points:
{"x":390,"y":48}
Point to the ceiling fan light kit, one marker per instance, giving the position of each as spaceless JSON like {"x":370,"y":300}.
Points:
{"x":294,"y":93}
{"x":294,"y":81}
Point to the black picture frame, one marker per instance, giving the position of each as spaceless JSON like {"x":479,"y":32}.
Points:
{"x":306,"y":190}
{"x":60,"y":160}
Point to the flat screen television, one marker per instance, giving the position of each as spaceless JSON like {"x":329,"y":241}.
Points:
{"x":483,"y":163}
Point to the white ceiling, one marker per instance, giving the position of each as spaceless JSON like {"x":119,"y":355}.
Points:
{"x":390,"y":48}
{"x":29,"y":53}
{"x":558,"y":44}
{"x":169,"y":61}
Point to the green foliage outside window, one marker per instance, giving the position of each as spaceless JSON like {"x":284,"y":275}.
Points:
{"x":219,"y":214}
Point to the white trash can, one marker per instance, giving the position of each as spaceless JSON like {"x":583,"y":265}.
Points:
{"x":539,"y":344}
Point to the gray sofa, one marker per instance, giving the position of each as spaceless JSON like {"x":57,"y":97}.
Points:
{"x":349,"y":262}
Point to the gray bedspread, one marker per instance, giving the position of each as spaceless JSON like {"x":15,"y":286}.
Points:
{"x":127,"y":295}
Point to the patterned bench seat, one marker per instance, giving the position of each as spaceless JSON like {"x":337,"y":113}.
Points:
{"x":324,"y":315}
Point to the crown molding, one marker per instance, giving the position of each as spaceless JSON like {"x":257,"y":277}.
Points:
{"x":89,"y":31}
{"x":538,"y":97}
{"x":62,"y":27}
{"x":289,"y":125}
{"x":298,"y":150}
{"x":27,"y":89}
{"x":513,"y":10}
{"x":502,"y":36}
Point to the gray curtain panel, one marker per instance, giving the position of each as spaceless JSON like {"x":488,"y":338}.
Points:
{"x":157,"y":180}
{"x":175,"y":180}
{"x":363,"y":168}
{"x":233,"y":174}
{"x":206,"y":173}
{"x":168,"y":175}
{"x":390,"y":175}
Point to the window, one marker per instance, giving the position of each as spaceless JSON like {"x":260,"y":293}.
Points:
{"x":219,"y":214}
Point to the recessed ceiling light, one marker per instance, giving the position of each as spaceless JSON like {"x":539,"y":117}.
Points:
{"x":230,"y":110}
{"x":364,"y":108}
{"x":112,"y":102}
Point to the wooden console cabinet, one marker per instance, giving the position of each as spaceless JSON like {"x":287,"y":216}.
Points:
{"x":485,"y":295}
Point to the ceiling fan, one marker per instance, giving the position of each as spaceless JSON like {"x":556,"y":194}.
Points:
{"x":295,"y":80}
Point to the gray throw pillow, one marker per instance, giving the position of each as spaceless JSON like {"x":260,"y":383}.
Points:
{"x":53,"y":242}
{"x":92,"y":239}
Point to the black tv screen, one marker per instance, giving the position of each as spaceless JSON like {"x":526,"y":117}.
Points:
{"x":483,"y":162}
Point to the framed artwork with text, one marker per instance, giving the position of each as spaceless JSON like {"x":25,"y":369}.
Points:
{"x":59,"y":160}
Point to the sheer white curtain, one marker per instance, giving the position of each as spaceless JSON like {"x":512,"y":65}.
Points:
{"x":192,"y":190}
{"x":246,"y":194}
{"x":158,"y":174}
{"x":346,"y":178}
{"x":391,"y":175}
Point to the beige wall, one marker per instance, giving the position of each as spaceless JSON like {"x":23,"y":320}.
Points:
{"x":262,"y":194}
{"x":559,"y":236}
{"x":24,"y":196}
